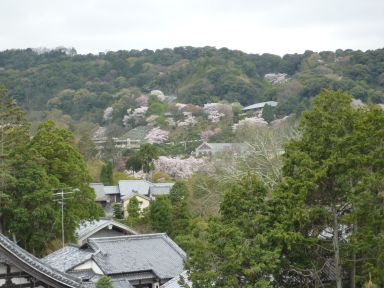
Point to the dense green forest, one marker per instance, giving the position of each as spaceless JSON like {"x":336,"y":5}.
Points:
{"x":61,"y":82}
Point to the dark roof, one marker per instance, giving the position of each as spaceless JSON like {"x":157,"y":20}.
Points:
{"x":88,"y":228}
{"x":35,"y":266}
{"x":135,"y":253}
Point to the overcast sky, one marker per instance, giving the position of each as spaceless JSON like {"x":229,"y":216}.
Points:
{"x":253,"y":26}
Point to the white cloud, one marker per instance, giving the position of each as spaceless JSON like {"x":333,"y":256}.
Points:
{"x":254,"y":26}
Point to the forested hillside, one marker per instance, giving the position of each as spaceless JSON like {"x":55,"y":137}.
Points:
{"x":82,"y":86}
{"x":287,"y":205}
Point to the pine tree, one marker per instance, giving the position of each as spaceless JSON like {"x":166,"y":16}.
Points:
{"x":238,"y":248}
{"x":160,"y":214}
{"x":327,"y":206}
{"x":133,"y":209}
{"x":106,"y":174}
{"x":104,"y":282}
{"x":180,"y":218}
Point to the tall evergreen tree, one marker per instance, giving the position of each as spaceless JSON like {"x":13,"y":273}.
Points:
{"x":180,"y":217}
{"x":331,"y":179}
{"x":238,"y":249}
{"x":133,"y":209}
{"x":67,"y":170}
{"x":106,"y":174}
{"x":160,"y":214}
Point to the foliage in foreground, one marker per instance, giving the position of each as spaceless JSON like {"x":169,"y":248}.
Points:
{"x":33,"y":170}
{"x":326,"y":212}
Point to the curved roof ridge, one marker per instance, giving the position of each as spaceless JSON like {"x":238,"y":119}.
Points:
{"x":37,"y":265}
{"x":174,"y":245}
{"x":89,"y":227}
{"x":107,"y":239}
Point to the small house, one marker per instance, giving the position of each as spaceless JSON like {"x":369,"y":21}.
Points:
{"x":209,"y":149}
{"x":146,"y":260}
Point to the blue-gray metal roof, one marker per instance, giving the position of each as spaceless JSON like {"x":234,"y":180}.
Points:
{"x":260,"y":105}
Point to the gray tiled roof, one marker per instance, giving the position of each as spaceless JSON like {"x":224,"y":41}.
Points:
{"x":68,"y":257}
{"x":88,"y":228}
{"x":121,"y":283}
{"x":260,"y":105}
{"x":99,"y":190}
{"x":137,"y":276}
{"x":220,"y":147}
{"x":86,"y":274}
{"x":127,"y":187}
{"x":38,"y":265}
{"x":134,"y":253}
{"x":174,"y":283}
{"x":161,"y":188}
{"x":111,"y":190}
{"x":135,"y":195}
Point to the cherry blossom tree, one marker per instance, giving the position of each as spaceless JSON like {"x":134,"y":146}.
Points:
{"x":212,"y":111}
{"x":249,"y":123}
{"x":108,"y":113}
{"x":205,"y":135}
{"x":216,"y":111}
{"x":180,"y":168}
{"x":181,"y":106}
{"x":189,"y":120}
{"x":142,"y":100}
{"x":157,"y":136}
{"x":135,"y":115}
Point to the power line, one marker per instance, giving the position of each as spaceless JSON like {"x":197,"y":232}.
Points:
{"x":61,"y":200}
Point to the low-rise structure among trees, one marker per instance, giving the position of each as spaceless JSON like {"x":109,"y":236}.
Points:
{"x":147,"y":260}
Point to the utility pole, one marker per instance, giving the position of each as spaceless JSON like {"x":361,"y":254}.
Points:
{"x":61,"y":200}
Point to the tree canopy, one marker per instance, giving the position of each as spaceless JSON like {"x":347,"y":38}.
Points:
{"x":331,"y":179}
{"x":33,"y":169}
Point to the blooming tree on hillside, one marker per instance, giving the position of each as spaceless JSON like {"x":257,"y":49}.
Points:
{"x":108,"y":113}
{"x":157,"y":136}
{"x":250,"y":122}
{"x":212,"y":111}
{"x":179,"y":168}
{"x":205,"y":135}
{"x":189,"y":120}
{"x":142,"y":100}
{"x":135,"y":115}
{"x":181,"y":106}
